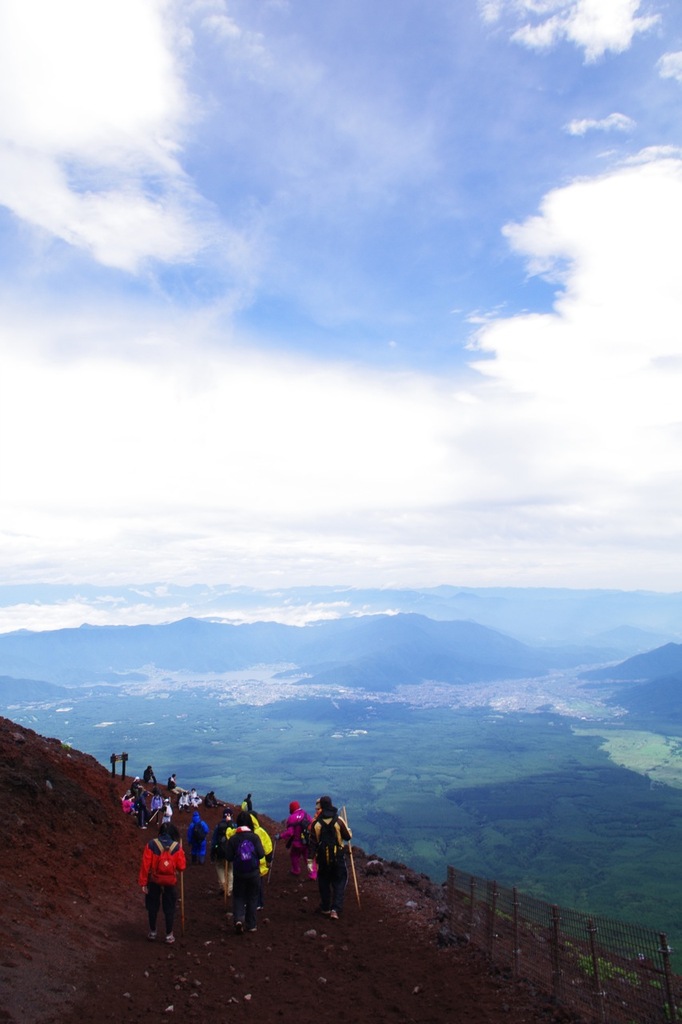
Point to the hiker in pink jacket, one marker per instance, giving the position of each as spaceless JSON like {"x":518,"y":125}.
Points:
{"x":296,"y":835}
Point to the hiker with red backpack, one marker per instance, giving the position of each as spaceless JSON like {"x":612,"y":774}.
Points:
{"x":162,"y":858}
{"x":297,"y":835}
{"x":328,"y":834}
{"x":244,"y":851}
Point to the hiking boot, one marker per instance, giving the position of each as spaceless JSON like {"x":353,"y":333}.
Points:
{"x":325,"y":913}
{"x":170,"y":937}
{"x":239,"y":927}
{"x":334,"y":916}
{"x":151,"y":936}
{"x":252,"y":929}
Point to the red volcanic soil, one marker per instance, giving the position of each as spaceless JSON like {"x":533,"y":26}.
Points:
{"x":74,"y":942}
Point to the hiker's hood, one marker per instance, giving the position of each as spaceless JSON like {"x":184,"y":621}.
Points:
{"x":327,"y":813}
{"x":196,"y":816}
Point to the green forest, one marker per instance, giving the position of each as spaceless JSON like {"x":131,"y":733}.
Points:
{"x":538,"y":801}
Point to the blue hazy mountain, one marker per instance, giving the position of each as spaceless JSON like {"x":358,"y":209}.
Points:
{"x":14,"y":690}
{"x":662,"y":661}
{"x":651,"y":683}
{"x":626,"y":622}
{"x":375,"y":651}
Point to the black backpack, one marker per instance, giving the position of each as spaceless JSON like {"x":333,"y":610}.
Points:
{"x":220,"y":841}
{"x":246,"y":860}
{"x":199,"y":833}
{"x":328,"y":849}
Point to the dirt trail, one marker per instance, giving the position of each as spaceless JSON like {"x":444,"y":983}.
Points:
{"x":75,"y":945}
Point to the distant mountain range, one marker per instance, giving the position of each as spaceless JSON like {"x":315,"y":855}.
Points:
{"x":652,"y":682}
{"x":375,"y":652}
{"x":619,"y":623}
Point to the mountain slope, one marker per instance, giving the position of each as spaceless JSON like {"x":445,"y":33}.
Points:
{"x":74,"y":930}
{"x":412,"y":646}
{"x":662,"y":661}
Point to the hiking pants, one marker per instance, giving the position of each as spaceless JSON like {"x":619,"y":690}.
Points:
{"x":160,"y":895}
{"x":222,"y":867}
{"x":332,"y":882}
{"x":299,"y":857}
{"x":245,"y":892}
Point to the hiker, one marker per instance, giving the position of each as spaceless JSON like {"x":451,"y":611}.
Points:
{"x":166,"y":811}
{"x":162,"y":858}
{"x":211,"y":800}
{"x":244,"y":851}
{"x":194,"y":798}
{"x":197,"y":834}
{"x":247,"y":804}
{"x":223,"y":830}
{"x":297,"y":835}
{"x":172,"y":787}
{"x":141,"y":808}
{"x":265,"y":862}
{"x":127,"y":803}
{"x":183,"y":801}
{"x":156,"y":805}
{"x":328,"y":834}
{"x":148,"y":776}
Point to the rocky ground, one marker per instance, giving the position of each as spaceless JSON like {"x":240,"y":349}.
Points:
{"x":74,"y":932}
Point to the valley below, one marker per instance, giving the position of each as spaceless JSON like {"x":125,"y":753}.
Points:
{"x":539,"y":783}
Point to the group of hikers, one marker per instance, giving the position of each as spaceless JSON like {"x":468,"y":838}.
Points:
{"x":242,"y":852}
{"x":145,"y":805}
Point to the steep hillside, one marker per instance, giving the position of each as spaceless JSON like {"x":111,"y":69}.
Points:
{"x":654,"y":664}
{"x":74,"y":931}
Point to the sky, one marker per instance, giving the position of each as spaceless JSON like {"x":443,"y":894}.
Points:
{"x":388,"y":294}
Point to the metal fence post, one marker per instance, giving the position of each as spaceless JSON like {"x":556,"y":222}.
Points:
{"x":599,"y":993}
{"x":492,"y":911}
{"x":451,"y":898}
{"x":472,"y":897}
{"x":515,"y":937}
{"x":669,"y":991}
{"x":556,"y":965}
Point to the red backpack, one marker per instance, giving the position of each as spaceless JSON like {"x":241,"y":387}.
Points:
{"x":163,"y":868}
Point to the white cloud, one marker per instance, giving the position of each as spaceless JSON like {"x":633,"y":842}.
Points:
{"x":612,"y":123}
{"x":563,"y":453}
{"x":591,"y":388}
{"x":92,"y":108}
{"x":595,"y":26}
{"x":670,"y":65}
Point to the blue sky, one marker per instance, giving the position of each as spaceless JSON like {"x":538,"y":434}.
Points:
{"x":370,"y":294}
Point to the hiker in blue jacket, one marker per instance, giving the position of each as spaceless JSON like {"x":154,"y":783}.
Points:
{"x":197,"y":834}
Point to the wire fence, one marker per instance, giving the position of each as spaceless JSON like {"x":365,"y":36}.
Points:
{"x":606,"y":971}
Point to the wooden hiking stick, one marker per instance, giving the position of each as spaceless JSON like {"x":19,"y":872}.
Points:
{"x":182,"y":899}
{"x":352,"y":862}
{"x":274,"y":847}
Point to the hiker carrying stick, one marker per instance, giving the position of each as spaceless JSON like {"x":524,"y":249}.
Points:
{"x":329,"y":832}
